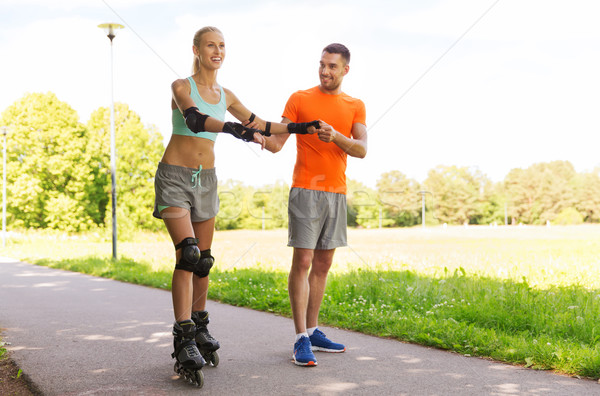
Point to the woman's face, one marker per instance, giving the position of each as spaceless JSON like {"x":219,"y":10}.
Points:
{"x":211,"y":50}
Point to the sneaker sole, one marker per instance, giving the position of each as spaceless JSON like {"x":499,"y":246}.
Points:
{"x":316,"y":348}
{"x":308,"y":364}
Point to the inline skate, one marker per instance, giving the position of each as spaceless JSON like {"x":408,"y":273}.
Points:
{"x":188,"y":359}
{"x":206,"y":343}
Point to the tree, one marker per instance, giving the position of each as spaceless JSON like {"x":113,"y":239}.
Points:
{"x":587,"y":195}
{"x":232,"y":198}
{"x":48,"y":165}
{"x":139,"y":150}
{"x":539,"y":193}
{"x":459,"y":193}
{"x":364,"y":208}
{"x":400,"y":198}
{"x":491,"y":207}
{"x":270,"y":201}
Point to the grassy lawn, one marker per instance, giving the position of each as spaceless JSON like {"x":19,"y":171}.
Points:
{"x":525,"y":295}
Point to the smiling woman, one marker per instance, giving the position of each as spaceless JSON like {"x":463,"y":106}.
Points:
{"x":186,"y":191}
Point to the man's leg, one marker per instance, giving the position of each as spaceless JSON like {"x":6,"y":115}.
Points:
{"x":317,"y":280}
{"x":299,"y":291}
{"x":298,"y":286}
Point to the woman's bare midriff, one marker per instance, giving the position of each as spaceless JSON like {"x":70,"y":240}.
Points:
{"x":190,"y":152}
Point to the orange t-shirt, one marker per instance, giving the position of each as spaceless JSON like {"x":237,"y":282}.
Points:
{"x":322,"y":166}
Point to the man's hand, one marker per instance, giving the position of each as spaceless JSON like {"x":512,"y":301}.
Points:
{"x":326,"y":133}
{"x":303,"y":128}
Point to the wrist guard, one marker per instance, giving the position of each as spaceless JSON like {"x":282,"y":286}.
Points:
{"x":240,"y":131}
{"x":194,"y":119}
{"x":267,"y":131}
{"x":301,"y":128}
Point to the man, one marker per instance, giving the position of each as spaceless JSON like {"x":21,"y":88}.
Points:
{"x":317,"y":202}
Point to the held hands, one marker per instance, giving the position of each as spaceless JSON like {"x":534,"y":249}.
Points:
{"x":250,"y":123}
{"x":326,"y":133}
{"x":301,"y":128}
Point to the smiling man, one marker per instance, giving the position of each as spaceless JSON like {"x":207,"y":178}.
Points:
{"x":317,"y":202}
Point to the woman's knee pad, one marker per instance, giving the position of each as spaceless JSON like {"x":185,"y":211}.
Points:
{"x":205,"y":263}
{"x":190,"y":255}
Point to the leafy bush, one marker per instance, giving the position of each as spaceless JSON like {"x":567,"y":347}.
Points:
{"x":569,"y":216}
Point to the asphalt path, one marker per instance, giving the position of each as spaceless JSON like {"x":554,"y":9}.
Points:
{"x":74,"y":334}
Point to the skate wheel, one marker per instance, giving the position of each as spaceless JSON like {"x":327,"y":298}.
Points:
{"x":211,"y":358}
{"x":214,"y":359}
{"x":198,"y":376}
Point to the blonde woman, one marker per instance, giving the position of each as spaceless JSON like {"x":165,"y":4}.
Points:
{"x":186,"y":191}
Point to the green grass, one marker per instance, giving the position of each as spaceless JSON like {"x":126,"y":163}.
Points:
{"x":545,"y":329}
{"x":532,"y":302}
{"x":123,"y":269}
{"x":2,"y":350}
{"x":506,"y":321}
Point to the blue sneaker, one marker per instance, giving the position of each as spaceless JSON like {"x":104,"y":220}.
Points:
{"x":303,"y":355}
{"x":320,"y":342}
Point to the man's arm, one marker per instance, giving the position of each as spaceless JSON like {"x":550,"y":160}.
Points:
{"x":275,"y":142}
{"x":251,"y":120}
{"x":354,"y":147}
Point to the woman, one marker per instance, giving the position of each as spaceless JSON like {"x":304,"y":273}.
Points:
{"x":186,"y":189}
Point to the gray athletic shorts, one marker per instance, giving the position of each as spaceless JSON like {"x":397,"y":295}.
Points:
{"x":317,"y":219}
{"x":192,"y":189}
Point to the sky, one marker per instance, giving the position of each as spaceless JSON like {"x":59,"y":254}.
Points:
{"x":491,"y":85}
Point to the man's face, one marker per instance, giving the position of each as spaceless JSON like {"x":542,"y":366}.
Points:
{"x":332,"y":70}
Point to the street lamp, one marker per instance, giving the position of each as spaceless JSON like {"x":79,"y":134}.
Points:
{"x":423,"y":193}
{"x":110,"y":29}
{"x":4,"y":131}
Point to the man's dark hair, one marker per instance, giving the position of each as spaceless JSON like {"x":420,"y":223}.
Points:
{"x":337,"y":48}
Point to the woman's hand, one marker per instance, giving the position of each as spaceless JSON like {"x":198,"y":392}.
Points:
{"x":260,"y":139}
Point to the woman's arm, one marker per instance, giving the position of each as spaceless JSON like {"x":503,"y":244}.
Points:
{"x":199,"y":122}
{"x":249,"y":119}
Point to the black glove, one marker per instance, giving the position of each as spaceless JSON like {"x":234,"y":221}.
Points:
{"x":301,"y":128}
{"x":240,"y":131}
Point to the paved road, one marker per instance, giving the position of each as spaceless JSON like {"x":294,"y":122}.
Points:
{"x":75,"y":334}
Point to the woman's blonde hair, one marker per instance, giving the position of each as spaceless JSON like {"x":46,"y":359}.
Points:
{"x":197,"y":38}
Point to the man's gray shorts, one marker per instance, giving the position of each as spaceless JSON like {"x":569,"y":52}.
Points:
{"x":317,"y":219}
{"x":192,"y":189}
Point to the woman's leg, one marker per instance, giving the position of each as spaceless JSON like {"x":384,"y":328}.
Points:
{"x":179,"y":226}
{"x":206,"y":342}
{"x":204,"y":231}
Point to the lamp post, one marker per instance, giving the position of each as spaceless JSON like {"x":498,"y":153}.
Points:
{"x":4,"y":131}
{"x":110,"y":29}
{"x":423,"y":206}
